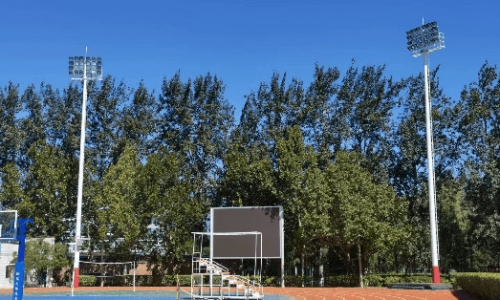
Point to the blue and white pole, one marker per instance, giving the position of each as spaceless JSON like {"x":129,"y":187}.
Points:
{"x":19,"y":269}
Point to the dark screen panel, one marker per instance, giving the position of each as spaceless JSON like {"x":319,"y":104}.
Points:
{"x":246,"y":219}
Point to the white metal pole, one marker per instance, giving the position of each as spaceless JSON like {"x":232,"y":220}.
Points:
{"x":430,"y":169}
{"x":255,"y":257}
{"x":261,"y":266}
{"x":76,"y":265}
{"x":282,"y":247}
{"x":211,"y":247}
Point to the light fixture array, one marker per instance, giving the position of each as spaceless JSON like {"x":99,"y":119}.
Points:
{"x":93,"y":66}
{"x":425,"y":39}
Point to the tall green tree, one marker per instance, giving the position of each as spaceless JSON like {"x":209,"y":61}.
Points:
{"x":105,"y":101}
{"x":34,"y":124}
{"x":136,"y":126}
{"x":364,"y":107}
{"x":318,"y":113}
{"x":478,"y":125}
{"x":196,"y":119}
{"x":299,"y":186}
{"x":271,"y":110}
{"x":11,"y":192}
{"x":248,"y":177}
{"x":45,"y":190}
{"x":357,"y":210}
{"x":120,"y":207}
{"x":11,"y":134}
{"x":171,"y":207}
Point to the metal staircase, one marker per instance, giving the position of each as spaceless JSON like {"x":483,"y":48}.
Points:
{"x":211,"y":280}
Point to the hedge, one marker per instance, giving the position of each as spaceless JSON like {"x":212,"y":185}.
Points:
{"x":383,"y":280}
{"x":377,"y":280}
{"x":87,"y":280}
{"x":480,"y":285}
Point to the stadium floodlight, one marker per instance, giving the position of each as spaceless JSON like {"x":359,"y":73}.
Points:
{"x":422,"y":41}
{"x":91,"y":66}
{"x":425,"y":39}
{"x":82,"y":68}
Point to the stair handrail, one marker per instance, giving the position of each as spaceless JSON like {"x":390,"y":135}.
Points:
{"x":209,"y":262}
{"x":250,"y":283}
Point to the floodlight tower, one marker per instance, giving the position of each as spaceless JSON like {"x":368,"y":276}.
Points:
{"x":422,"y":41}
{"x":82,"y":68}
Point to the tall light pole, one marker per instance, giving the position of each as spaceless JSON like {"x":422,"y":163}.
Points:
{"x":422,"y":41}
{"x":82,"y":68}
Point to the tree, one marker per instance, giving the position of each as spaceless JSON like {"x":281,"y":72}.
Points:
{"x":248,"y":177}
{"x":119,"y":206}
{"x":356,"y":210}
{"x":318,"y":113}
{"x":104,"y":113}
{"x":172,"y":205}
{"x":33,"y":124}
{"x":196,"y":120}
{"x":478,"y":125}
{"x":11,"y":193}
{"x":42,"y":255}
{"x":299,"y":185}
{"x":11,"y":136}
{"x":136,"y":126}
{"x":363,"y":109}
{"x":270,"y":111}
{"x":45,"y":190}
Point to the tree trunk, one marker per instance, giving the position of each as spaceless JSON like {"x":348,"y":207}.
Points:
{"x":321,"y":275}
{"x":302,"y":262}
{"x":360,"y":265}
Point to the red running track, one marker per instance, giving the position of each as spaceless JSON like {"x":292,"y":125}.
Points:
{"x":366,"y":294}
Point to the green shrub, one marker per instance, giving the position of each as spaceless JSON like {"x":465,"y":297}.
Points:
{"x":378,"y":280}
{"x":87,"y":280}
{"x":271,"y":281}
{"x":480,"y":285}
{"x":373,"y":280}
{"x":293,"y":281}
{"x":342,"y":281}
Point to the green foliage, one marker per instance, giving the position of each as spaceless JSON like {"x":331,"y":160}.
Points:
{"x":341,"y":281}
{"x":45,"y":190}
{"x":382,"y":280}
{"x":11,"y":135}
{"x":371,"y":280}
{"x":11,"y":193}
{"x":248,"y":178}
{"x":356,"y":210}
{"x":88,"y":280}
{"x":345,"y":157}
{"x":170,"y":202}
{"x":481,"y":285}
{"x":41,"y":255}
{"x":119,"y":205}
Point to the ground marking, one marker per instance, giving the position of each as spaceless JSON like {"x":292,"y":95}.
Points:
{"x":414,"y":297}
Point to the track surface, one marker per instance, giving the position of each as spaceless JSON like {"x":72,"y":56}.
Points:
{"x":296,"y":293}
{"x":366,"y":294}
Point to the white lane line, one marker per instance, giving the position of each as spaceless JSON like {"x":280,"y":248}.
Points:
{"x":389,"y":296}
{"x":377,"y":296}
{"x":414,"y":297}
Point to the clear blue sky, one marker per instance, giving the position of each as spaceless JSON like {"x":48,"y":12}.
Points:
{"x":241,"y":41}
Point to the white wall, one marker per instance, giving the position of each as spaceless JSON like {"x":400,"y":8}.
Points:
{"x":6,"y":256}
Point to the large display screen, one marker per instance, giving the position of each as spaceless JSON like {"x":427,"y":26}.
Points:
{"x":265,"y":219}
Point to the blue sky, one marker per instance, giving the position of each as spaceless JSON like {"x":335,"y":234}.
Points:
{"x":241,"y":41}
